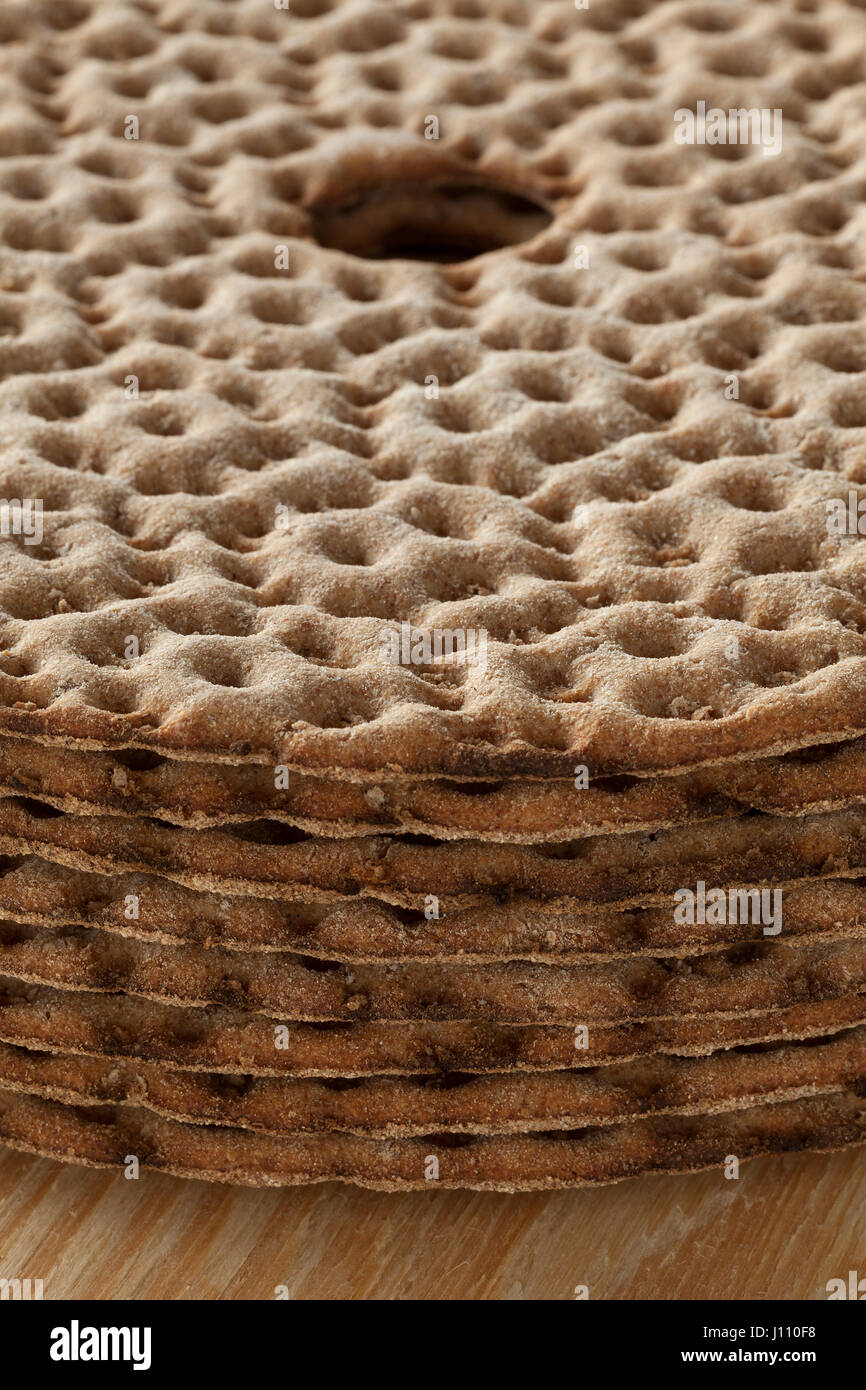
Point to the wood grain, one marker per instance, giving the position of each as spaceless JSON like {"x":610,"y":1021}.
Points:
{"x":784,"y":1228}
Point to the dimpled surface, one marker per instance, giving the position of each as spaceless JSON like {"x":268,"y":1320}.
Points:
{"x":288,"y":376}
{"x":582,"y":489}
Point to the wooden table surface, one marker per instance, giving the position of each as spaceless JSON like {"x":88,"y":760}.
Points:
{"x":781,"y":1230}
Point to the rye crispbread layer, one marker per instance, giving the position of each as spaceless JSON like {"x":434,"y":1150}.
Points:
{"x":106,"y":1136}
{"x":227,"y":545}
{"x":649,"y":555}
{"x":385,"y":1107}
{"x":197,"y":795}
{"x":270,"y":860}
{"x":222,"y":1039}
{"x":747,"y":978}
{"x":37,"y":892}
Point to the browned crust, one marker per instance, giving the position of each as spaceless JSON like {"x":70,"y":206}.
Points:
{"x":197,"y":795}
{"x":36,"y":892}
{"x":107,"y":1137}
{"x":626,"y":870}
{"x":224,"y":1039}
{"x":390,"y":1107}
{"x":433,"y":743}
{"x":741,"y":980}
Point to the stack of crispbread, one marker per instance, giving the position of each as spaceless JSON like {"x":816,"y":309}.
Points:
{"x":432,"y":666}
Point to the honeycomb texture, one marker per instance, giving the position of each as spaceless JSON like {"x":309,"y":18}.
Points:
{"x":282,"y":489}
{"x":358,"y":320}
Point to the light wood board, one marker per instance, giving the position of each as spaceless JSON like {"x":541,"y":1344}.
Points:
{"x":781,"y":1230}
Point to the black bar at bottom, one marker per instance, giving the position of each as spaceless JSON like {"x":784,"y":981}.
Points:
{"x":278,"y":1339}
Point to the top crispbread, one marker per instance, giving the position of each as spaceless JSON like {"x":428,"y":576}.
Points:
{"x":581,"y":489}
